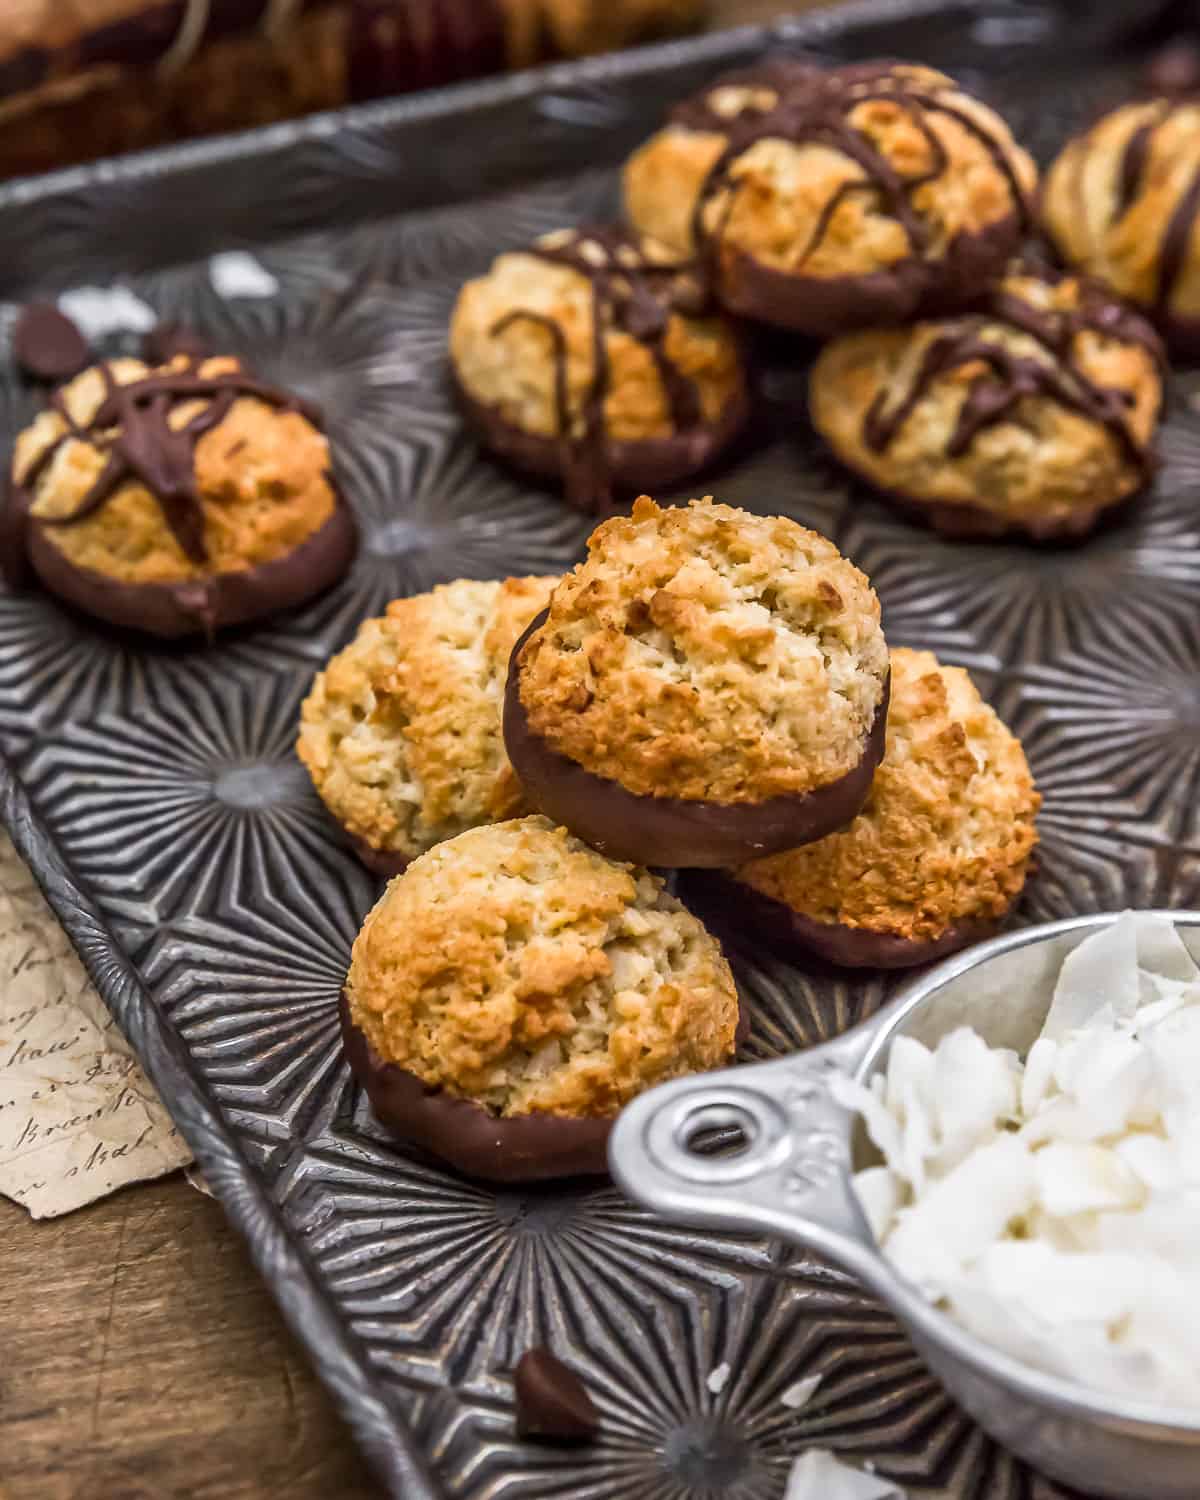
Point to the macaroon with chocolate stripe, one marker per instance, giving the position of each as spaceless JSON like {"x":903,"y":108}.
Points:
{"x":829,"y":199}
{"x":598,"y":360}
{"x":1033,"y":416}
{"x":175,"y":500}
{"x":1122,"y":203}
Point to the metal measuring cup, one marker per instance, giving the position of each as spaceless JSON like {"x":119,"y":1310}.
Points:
{"x":791,"y":1174}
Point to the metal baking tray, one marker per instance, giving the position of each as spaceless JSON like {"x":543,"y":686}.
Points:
{"x":154,"y":791}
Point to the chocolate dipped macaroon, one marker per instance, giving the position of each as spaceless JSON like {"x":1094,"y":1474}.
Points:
{"x":708,"y":686}
{"x":401,"y":731}
{"x":1034,"y":415}
{"x":825,"y":200}
{"x":597,"y":359}
{"x":1122,"y":203}
{"x":513,"y":990}
{"x":176,"y":500}
{"x":933,"y":862}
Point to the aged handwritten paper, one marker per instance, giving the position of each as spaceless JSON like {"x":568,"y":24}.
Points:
{"x":78,"y":1118}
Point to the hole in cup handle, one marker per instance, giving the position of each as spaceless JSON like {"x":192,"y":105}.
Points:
{"x":765,"y":1146}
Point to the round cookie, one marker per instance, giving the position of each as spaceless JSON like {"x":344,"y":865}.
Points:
{"x":706,"y":687}
{"x":401,"y":731}
{"x":1122,"y":202}
{"x":176,"y":500}
{"x":825,"y":200}
{"x":596,"y":360}
{"x":513,"y":990}
{"x":937,"y":856}
{"x":1034,"y":415}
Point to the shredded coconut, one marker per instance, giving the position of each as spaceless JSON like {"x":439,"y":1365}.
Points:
{"x":1051,"y":1204}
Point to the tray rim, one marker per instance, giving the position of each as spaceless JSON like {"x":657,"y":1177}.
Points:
{"x":263,"y":141}
{"x":376,"y":1422}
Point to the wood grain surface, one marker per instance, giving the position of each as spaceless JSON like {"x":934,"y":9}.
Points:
{"x":140,"y":1356}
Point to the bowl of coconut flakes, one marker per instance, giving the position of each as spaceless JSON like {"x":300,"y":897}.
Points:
{"x":1009,"y":1155}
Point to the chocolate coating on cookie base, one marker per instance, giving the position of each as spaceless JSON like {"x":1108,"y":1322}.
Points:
{"x":975,"y":523}
{"x":500,"y":1148}
{"x":674,"y":832}
{"x":1182,"y":336}
{"x":515,"y":1148}
{"x":825,"y":306}
{"x":630,"y":467}
{"x":204,"y":605}
{"x":734,"y":905}
{"x":383,"y":862}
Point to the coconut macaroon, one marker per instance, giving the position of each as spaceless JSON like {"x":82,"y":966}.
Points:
{"x":595,"y":359}
{"x":178,"y":499}
{"x":935,"y":859}
{"x":706,"y":687}
{"x":401,"y":731}
{"x":1121,"y":203}
{"x":514,"y":989}
{"x":824,"y":200}
{"x":1034,"y":415}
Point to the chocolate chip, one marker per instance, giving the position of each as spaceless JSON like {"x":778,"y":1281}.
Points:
{"x":1175,"y":71}
{"x":166,"y":341}
{"x":552,"y":1403}
{"x":48,"y":346}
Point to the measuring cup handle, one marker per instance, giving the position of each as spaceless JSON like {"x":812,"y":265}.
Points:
{"x":792,"y":1176}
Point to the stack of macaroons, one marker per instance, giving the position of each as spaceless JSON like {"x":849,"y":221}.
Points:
{"x":708,"y":690}
{"x":721,"y":679}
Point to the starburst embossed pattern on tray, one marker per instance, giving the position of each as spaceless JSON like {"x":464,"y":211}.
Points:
{"x":165,"y":778}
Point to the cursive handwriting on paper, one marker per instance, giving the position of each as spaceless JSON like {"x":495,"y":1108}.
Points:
{"x":78,"y":1118}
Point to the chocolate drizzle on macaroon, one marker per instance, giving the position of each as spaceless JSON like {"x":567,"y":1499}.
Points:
{"x":1011,"y":377}
{"x":1177,"y":235}
{"x":631,"y":294}
{"x":132,"y":426}
{"x":806,"y":105}
{"x":132,"y":429}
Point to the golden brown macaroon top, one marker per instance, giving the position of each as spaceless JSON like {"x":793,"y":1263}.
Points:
{"x":262,"y":476}
{"x":797,"y":200}
{"x":1044,"y":458}
{"x":708,"y":654}
{"x":515,"y":966}
{"x":515,"y":329}
{"x":947,"y":830}
{"x":1113,"y":195}
{"x":401,"y":731}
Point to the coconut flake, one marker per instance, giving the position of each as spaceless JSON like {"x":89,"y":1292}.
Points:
{"x":880,"y":1195}
{"x":800,"y":1392}
{"x":1098,"y":981}
{"x":1074,"y":1179}
{"x":98,"y":311}
{"x":958,"y":1217}
{"x":1053,"y":1206}
{"x":818,"y":1475}
{"x":237,"y":273}
{"x":718,"y":1379}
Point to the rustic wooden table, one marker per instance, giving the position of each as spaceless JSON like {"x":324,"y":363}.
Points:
{"x":140,"y":1356}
